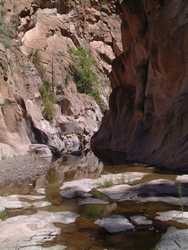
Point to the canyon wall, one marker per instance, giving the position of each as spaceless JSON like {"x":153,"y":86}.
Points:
{"x":36,"y":64}
{"x":148,"y":117}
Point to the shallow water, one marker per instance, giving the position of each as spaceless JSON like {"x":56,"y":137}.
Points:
{"x":84,"y":234}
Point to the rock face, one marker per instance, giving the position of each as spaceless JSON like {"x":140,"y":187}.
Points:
{"x":147,"y":120}
{"x":173,"y":240}
{"x":42,"y":34}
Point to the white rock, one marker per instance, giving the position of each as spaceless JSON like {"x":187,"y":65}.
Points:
{"x":115,"y":224}
{"x":32,"y":230}
{"x":40,"y":204}
{"x":177,"y":216}
{"x":121,"y":178}
{"x":58,"y":247}
{"x":12,"y":202}
{"x":40,"y":190}
{"x":140,"y":220}
{"x":72,"y":188}
{"x":115,"y":192}
{"x":182,"y":179}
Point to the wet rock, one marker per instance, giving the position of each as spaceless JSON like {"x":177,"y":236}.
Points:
{"x":176,"y":216}
{"x":173,"y":239}
{"x":115,"y":192}
{"x":115,"y":224}
{"x":90,"y":201}
{"x":140,"y":220}
{"x":167,"y":199}
{"x":159,"y":187}
{"x":76,"y":188}
{"x":33,"y":230}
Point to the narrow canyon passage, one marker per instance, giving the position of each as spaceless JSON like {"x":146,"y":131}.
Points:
{"x":93,"y":125}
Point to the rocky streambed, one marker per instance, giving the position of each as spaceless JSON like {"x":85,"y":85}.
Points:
{"x":78,"y":204}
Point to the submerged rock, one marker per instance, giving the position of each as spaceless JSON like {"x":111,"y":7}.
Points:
{"x":115,"y":224}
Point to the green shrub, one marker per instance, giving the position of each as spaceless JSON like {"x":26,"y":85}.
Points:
{"x":105,"y":184}
{"x":48,"y":99}
{"x":93,"y":211}
{"x":84,"y":74}
{"x":3,"y":215}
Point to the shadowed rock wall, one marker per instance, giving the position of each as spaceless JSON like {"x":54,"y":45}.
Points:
{"x":148,"y":117}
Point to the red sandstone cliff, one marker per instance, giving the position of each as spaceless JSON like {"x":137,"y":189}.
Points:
{"x":148,"y":117}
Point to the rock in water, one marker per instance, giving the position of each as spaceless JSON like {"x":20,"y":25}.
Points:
{"x":115,"y":224}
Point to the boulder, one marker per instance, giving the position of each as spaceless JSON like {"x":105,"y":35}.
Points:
{"x":115,"y":224}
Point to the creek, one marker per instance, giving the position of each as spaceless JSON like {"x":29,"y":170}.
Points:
{"x":80,"y":206}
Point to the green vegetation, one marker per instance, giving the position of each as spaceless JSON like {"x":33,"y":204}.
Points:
{"x":180,"y":193}
{"x":84,"y":74}
{"x":48,"y":99}
{"x":93,"y":211}
{"x":3,"y":215}
{"x":105,"y":184}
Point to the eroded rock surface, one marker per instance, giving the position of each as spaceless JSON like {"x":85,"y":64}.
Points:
{"x":36,"y":52}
